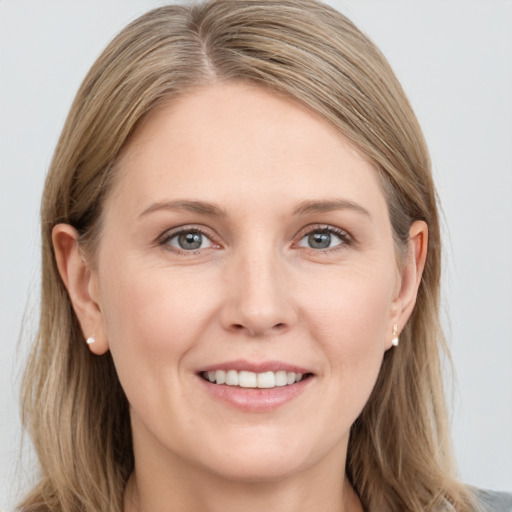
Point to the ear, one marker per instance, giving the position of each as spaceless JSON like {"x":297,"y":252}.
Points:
{"x":81,"y":283}
{"x":410,"y":279}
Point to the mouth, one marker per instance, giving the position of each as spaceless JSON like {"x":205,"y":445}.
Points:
{"x":258,"y":387}
{"x":254,"y":380}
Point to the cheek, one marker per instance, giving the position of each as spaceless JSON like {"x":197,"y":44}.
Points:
{"x":153,"y":318}
{"x":153,"y":308}
{"x":353,"y":305}
{"x":350,"y":321}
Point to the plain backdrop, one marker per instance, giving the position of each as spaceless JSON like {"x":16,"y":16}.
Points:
{"x":454,"y":58}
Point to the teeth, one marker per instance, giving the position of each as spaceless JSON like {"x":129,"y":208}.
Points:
{"x":282,"y":378}
{"x":231,"y":378}
{"x":247,"y":379}
{"x":267,"y":380}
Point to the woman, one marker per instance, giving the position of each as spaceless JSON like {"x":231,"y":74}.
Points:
{"x":240,"y":277}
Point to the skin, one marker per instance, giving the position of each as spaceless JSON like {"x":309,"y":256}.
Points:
{"x":256,"y":290}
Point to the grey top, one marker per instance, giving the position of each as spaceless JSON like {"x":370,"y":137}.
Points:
{"x":493,"y":501}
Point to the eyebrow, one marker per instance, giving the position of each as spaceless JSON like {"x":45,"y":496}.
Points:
{"x":212,"y":210}
{"x":199,"y":207}
{"x":328,"y":205}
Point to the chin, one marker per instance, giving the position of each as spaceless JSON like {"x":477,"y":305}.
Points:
{"x":262,"y":469}
{"x":263,"y":455}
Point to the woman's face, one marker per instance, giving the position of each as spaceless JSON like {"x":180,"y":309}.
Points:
{"x":245,"y":239}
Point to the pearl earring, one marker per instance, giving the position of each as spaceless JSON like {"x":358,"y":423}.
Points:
{"x":90,"y":340}
{"x":395,"y":339}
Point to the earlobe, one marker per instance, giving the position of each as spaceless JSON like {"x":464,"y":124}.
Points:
{"x":79,"y":280}
{"x":405,"y":301}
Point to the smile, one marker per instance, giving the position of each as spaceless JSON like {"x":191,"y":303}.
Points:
{"x":247,"y":379}
{"x":251,"y":386}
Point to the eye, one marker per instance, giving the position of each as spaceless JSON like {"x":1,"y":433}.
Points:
{"x":324,"y":238}
{"x":187,"y":240}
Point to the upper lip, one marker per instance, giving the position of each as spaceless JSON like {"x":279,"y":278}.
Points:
{"x":255,"y":366}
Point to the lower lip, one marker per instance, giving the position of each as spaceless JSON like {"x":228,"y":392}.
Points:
{"x":256,"y":399}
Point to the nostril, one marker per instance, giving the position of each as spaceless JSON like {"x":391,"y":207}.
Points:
{"x":281,"y":326}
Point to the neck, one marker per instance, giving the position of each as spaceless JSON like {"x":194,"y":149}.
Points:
{"x":190,"y":489}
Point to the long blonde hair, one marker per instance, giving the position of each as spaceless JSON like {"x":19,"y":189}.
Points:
{"x":399,"y":455}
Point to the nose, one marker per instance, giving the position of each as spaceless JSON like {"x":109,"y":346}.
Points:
{"x":259,"y":298}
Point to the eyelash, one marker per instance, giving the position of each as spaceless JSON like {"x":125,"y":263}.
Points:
{"x":345,"y":238}
{"x":164,"y":240}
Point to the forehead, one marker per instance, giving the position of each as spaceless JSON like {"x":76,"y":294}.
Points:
{"x":243,"y":140}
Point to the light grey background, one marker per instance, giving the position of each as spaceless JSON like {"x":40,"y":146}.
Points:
{"x":454,"y":58}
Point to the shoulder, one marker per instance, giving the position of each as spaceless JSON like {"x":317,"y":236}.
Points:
{"x":493,"y":501}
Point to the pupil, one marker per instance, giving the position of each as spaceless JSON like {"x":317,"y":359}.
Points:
{"x":319,"y":240}
{"x":190,"y":241}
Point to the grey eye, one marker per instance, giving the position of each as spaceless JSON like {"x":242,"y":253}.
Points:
{"x":321,"y":239}
{"x":190,"y":241}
